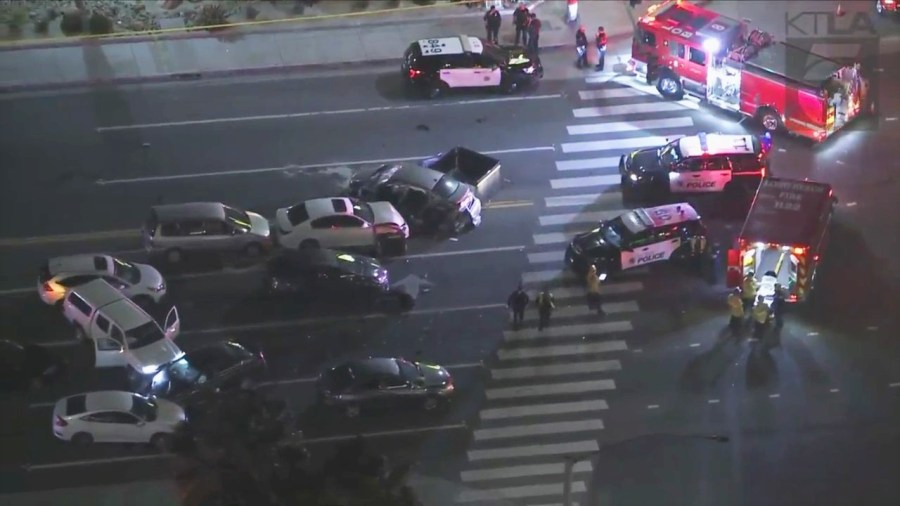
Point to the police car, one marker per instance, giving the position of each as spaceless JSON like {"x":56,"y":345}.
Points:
{"x":434,"y":66}
{"x":636,"y":238}
{"x":703,"y":163}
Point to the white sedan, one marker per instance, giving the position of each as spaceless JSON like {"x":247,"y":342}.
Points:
{"x":139,"y":282}
{"x":341,"y":223}
{"x":116,"y":417}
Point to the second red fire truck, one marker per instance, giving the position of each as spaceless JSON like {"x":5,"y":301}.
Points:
{"x":687,"y":49}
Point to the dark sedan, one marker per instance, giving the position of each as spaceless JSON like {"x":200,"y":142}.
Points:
{"x":23,"y":367}
{"x":384,"y":384}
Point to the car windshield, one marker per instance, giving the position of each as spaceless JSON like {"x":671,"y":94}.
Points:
{"x":144,"y":335}
{"x":183,"y":374}
{"x":494,"y":53}
{"x":237,"y":218}
{"x":670,"y":155}
{"x":126,"y":271}
{"x":363,"y":211}
{"x":446,"y":187}
{"x":356,"y":265}
{"x":408,"y":370}
{"x":615,"y":232}
{"x":143,"y":408}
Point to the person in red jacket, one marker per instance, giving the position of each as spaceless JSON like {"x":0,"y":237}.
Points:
{"x":534,"y":34}
{"x":601,"y":48}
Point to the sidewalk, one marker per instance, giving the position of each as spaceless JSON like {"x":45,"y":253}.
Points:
{"x":310,"y":44}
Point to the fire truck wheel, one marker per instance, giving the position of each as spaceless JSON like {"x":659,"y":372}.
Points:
{"x":669,"y":86}
{"x":769,"y":119}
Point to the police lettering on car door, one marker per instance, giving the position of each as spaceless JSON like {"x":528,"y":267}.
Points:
{"x":656,"y":243}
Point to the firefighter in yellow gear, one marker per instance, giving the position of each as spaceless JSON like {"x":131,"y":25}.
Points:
{"x":736,"y":306}
{"x":594,"y":300}
{"x":748,"y":290}
{"x":760,"y":316}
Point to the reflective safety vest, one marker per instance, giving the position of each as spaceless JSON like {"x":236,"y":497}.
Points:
{"x":593,"y":284}
{"x":736,"y":305}
{"x":749,"y":288}
{"x":761,"y":312}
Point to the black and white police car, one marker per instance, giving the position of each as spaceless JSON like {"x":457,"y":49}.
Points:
{"x":703,"y":163}
{"x":637,"y":238}
{"x":434,"y":66}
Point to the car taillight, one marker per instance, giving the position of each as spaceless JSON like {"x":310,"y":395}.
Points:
{"x":413,"y":73}
{"x":48,"y":287}
{"x":60,"y":422}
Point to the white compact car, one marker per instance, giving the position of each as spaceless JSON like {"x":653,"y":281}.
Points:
{"x":341,"y":223}
{"x":139,"y":282}
{"x":116,"y":417}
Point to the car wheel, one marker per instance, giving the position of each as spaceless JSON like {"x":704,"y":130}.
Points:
{"x":351,"y":410}
{"x":162,"y":442}
{"x":431,"y":403}
{"x":436,"y":90}
{"x":510,"y":87}
{"x":669,"y":86}
{"x":310,"y":244}
{"x":82,"y":439}
{"x":405,"y":301}
{"x":252,"y":250}
{"x":769,"y":120}
{"x":174,"y":256}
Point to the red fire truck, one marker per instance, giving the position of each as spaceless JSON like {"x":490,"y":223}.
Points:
{"x":784,"y":237}
{"x":689,"y":49}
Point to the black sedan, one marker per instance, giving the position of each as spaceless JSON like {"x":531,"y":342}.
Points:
{"x":26,"y":366}
{"x":323,"y":275}
{"x":384,"y":384}
{"x":222,"y":366}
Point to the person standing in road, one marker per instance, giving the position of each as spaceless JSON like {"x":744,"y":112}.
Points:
{"x":581,"y":48}
{"x":517,"y":302}
{"x":601,"y":48}
{"x":778,"y":306}
{"x":594,"y":299}
{"x":748,"y":290}
{"x":534,"y":34}
{"x":520,"y":20}
{"x":760,"y":317}
{"x":492,"y":21}
{"x":545,"y":306}
{"x":736,"y":306}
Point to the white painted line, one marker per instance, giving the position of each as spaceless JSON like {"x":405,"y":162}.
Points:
{"x":604,"y":93}
{"x":386,"y":433}
{"x":41,"y":405}
{"x":464,"y":252}
{"x":556,"y":408}
{"x":547,"y":257}
{"x":498,"y":495}
{"x":537,"y":371}
{"x":850,"y":204}
{"x":637,"y":350}
{"x":601,"y":199}
{"x":609,"y":162}
{"x":695,"y":345}
{"x":616,"y":144}
{"x":812,"y":333}
{"x":309,"y":114}
{"x":653,"y":406}
{"x":592,"y":217}
{"x":561,"y":350}
{"x":555,"y":237}
{"x":713,"y":401}
{"x":94,"y":462}
{"x":577,"y":330}
{"x":631,"y":126}
{"x":894,"y":385}
{"x":537,"y":429}
{"x":504,"y":473}
{"x":774,"y":396}
{"x":511,"y":452}
{"x":582,"y":182}
{"x":530,"y":278}
{"x":17,"y":291}
{"x":613,"y":110}
{"x":601,"y":78}
{"x":834,"y":390}
{"x":174,"y":177}
{"x":629,"y":306}
{"x":610,"y":289}
{"x":872,"y":328}
{"x":546,"y":389}
{"x":689,"y":102}
{"x":892,"y":118}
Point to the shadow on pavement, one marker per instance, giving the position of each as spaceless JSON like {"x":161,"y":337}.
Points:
{"x":704,"y":370}
{"x":761,"y":368}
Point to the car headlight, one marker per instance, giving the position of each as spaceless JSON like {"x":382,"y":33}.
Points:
{"x":528,"y":70}
{"x":160,"y":287}
{"x":149,"y":369}
{"x":633,"y":176}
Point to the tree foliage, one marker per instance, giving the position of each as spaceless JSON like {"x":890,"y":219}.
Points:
{"x":237,"y":449}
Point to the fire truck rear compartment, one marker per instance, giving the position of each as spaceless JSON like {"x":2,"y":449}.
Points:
{"x":766,"y":261}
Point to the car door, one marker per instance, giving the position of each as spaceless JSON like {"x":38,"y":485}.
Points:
{"x":649,"y":247}
{"x":354,"y":232}
{"x":218,"y":236}
{"x":688,"y":177}
{"x":487,"y":71}
{"x":127,"y":427}
{"x":102,"y":426}
{"x":325,"y":230}
{"x":117,"y":283}
{"x":716,"y":174}
{"x":459,"y":71}
{"x":109,"y":343}
{"x":173,"y":324}
{"x":395,"y":392}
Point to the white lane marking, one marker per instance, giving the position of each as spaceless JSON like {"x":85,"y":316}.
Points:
{"x":609,"y":162}
{"x":577,"y":387}
{"x":543,"y":409}
{"x":535,"y":371}
{"x":571,"y":292}
{"x":774,"y":396}
{"x":308,"y":114}
{"x":612,"y":110}
{"x":604,"y":93}
{"x":537,"y":429}
{"x":812,"y":333}
{"x":561,"y":350}
{"x":695,"y":345}
{"x":576,"y":330}
{"x":581,"y":182}
{"x":834,"y":390}
{"x":41,"y":405}
{"x":628,"y":306}
{"x":637,"y":350}
{"x":547,"y":257}
{"x":499,"y":494}
{"x":713,"y":401}
{"x":610,"y":144}
{"x":653,"y":406}
{"x":94,"y":462}
{"x":584,"y":200}
{"x":555,"y":237}
{"x":601,"y":78}
{"x":76,"y":237}
{"x":892,"y":118}
{"x":544,"y":276}
{"x":592,"y":217}
{"x":174,"y":177}
{"x":894,"y":385}
{"x":464,"y":252}
{"x":17,"y":291}
{"x":502,"y":473}
{"x":386,"y":433}
{"x":689,"y":102}
{"x":534,"y":450}
{"x":631,"y":126}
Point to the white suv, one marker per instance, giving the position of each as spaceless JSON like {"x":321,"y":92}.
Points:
{"x":140,"y":282}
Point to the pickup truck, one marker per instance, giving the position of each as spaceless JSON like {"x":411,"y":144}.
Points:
{"x":479,"y":171}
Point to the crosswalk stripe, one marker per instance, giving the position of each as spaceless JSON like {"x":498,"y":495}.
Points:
{"x":561,"y":350}
{"x":631,"y":126}
{"x":601,"y":77}
{"x":546,"y":257}
{"x":628,"y":306}
{"x":535,"y":371}
{"x":575,"y":330}
{"x":620,"y":288}
{"x":499,"y":494}
{"x":592,"y":217}
{"x":604,"y":93}
{"x":534,"y":450}
{"x":505,"y":473}
{"x":556,"y":237}
{"x":556,"y":408}
{"x":529,"y":278}
{"x":631,"y":82}
{"x":610,"y":144}
{"x":584,"y":200}
{"x":581,"y":182}
{"x":576,"y":387}
{"x":537,"y":429}
{"x":611,"y":110}
{"x":609,"y":162}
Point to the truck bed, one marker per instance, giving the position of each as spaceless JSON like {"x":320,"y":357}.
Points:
{"x":470,"y":167}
